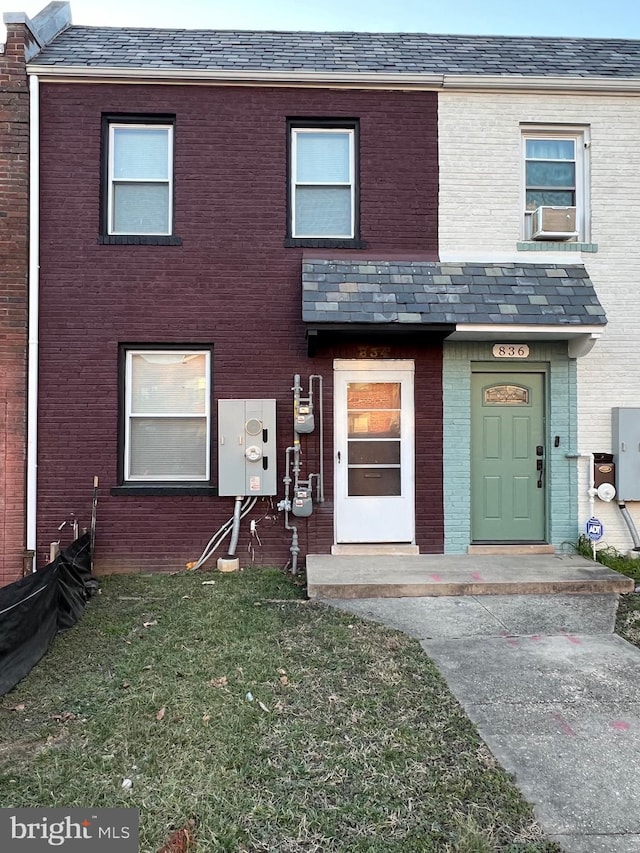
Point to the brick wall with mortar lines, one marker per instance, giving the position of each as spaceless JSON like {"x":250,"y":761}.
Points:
{"x":480,"y":212}
{"x":14,"y":234}
{"x":231,"y":283}
{"x":460,"y":359}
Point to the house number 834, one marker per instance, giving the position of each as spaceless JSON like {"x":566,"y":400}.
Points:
{"x":374,"y":352}
{"x":511,"y":350}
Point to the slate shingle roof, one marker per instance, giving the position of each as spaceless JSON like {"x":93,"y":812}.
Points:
{"x":391,"y":53}
{"x":420,"y":292}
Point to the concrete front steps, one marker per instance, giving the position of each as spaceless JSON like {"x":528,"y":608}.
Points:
{"x":392,"y":575}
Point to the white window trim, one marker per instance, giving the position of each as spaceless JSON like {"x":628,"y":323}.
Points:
{"x":112,"y":181}
{"x":129,"y":415}
{"x":581,"y":137}
{"x":295,"y":131}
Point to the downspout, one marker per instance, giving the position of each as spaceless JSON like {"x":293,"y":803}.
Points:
{"x":32,"y":355}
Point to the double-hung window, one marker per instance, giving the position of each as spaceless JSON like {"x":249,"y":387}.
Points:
{"x":323,"y":192}
{"x":167,"y":415}
{"x":555,"y":180}
{"x":139,"y":178}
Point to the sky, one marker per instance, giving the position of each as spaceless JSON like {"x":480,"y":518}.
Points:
{"x":587,"y":18}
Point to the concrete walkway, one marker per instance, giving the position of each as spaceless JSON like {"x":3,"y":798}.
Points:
{"x":554,"y":694}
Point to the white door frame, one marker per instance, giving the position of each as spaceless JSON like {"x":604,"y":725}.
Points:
{"x":374,"y":519}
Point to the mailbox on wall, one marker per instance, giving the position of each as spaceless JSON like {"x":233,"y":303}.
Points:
{"x":604,"y":469}
{"x":247,"y":447}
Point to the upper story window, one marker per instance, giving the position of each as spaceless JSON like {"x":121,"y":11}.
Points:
{"x":139,"y":178}
{"x":555,"y":184}
{"x":167,"y":415}
{"x":323,"y":192}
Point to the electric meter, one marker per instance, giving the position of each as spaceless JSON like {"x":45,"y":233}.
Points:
{"x":253,"y":453}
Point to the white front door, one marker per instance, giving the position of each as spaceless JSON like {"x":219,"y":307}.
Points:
{"x":374,"y":451}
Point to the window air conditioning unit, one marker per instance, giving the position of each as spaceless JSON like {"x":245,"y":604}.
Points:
{"x":553,"y":223}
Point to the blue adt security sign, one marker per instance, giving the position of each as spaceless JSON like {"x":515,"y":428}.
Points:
{"x":595,"y":530}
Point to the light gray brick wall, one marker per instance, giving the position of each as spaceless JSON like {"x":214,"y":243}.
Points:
{"x":480,"y":215}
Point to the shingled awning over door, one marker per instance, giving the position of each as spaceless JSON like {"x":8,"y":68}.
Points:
{"x":459,"y":300}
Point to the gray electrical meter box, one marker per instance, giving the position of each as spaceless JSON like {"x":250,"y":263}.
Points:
{"x":625,"y":427}
{"x":247,"y":447}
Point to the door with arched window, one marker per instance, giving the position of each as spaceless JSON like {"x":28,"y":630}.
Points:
{"x":508,"y":477}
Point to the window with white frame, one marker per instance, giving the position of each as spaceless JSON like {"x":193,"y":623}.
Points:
{"x":323,"y":184}
{"x":139,"y":179}
{"x":167,"y":415}
{"x":555,"y":179}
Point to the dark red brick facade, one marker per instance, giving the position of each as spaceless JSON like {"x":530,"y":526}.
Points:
{"x":14,"y":241}
{"x":232,"y":283}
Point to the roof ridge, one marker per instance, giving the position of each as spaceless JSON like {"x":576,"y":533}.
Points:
{"x":382,"y":34}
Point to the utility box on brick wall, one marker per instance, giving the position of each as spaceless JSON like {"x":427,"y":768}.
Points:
{"x":625,"y":425}
{"x":247,"y":462}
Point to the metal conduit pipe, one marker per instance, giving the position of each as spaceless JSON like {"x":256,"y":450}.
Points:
{"x":630,"y":525}
{"x":235,"y":530}
{"x":221,"y":534}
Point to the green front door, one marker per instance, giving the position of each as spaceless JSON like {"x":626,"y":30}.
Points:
{"x":507,"y":458}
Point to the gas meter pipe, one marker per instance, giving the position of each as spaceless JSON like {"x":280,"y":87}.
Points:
{"x":297,"y":390}
{"x":294,"y":549}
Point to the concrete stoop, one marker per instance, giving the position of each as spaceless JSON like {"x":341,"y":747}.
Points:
{"x":399,"y":576}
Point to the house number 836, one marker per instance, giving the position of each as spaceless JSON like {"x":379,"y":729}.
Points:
{"x":511,"y":350}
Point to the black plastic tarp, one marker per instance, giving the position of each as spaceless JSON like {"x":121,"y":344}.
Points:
{"x":35,"y":608}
